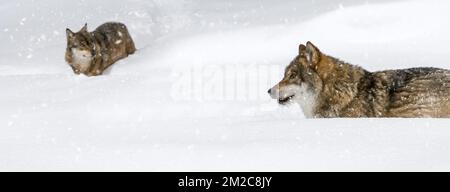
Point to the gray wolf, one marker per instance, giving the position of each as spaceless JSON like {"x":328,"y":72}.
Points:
{"x":326,"y":87}
{"x":90,"y":53}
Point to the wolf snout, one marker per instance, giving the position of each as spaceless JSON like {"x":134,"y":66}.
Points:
{"x":273,"y":92}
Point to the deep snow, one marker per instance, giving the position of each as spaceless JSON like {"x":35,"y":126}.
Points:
{"x":193,"y":98}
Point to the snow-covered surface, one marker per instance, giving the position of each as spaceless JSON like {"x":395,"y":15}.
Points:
{"x":193,"y":98}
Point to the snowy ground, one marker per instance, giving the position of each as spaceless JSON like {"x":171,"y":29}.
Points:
{"x":193,"y":98}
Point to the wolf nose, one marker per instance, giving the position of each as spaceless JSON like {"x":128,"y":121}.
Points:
{"x":269,"y":91}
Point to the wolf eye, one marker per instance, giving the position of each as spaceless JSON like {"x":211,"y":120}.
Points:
{"x":294,"y":74}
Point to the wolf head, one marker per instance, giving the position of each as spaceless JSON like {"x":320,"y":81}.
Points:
{"x":302,"y":80}
{"x":81,"y":47}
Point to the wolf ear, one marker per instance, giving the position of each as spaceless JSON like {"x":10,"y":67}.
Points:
{"x":301,"y":49}
{"x":84,"y":29}
{"x":318,"y":61}
{"x":69,"y":33}
{"x":312,"y":54}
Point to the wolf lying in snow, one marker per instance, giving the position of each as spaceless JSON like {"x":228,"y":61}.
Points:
{"x":326,"y":87}
{"x":91,"y":53}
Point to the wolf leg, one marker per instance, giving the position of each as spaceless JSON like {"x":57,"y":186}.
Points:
{"x":96,"y":68}
{"x":75,"y":70}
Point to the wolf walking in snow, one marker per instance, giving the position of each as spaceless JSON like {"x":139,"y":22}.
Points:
{"x":91,"y":53}
{"x":326,"y":87}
